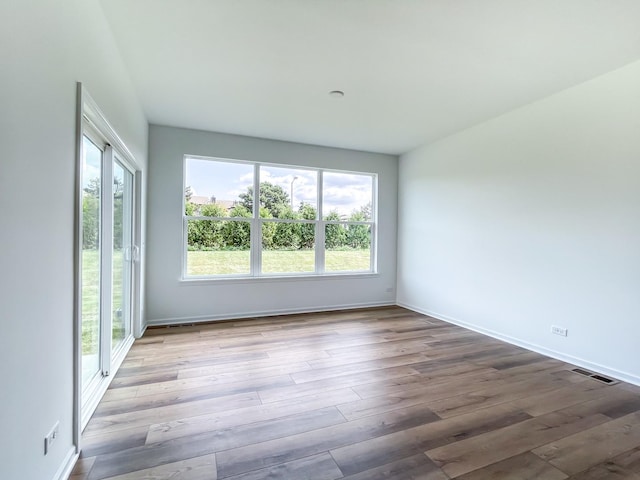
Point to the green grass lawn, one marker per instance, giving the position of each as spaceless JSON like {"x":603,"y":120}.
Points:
{"x":347,"y":260}
{"x":198,"y":264}
{"x":90,"y":311}
{"x":90,"y":300}
{"x":225,"y":262}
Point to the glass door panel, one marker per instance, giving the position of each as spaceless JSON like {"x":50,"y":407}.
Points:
{"x":122,"y":256}
{"x":90,"y":261}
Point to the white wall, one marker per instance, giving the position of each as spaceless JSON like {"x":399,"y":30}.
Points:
{"x":170,"y":300}
{"x":533,"y":219}
{"x":45,"y":48}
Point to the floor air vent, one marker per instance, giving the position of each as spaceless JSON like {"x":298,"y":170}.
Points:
{"x":595,"y":376}
{"x":608,"y":381}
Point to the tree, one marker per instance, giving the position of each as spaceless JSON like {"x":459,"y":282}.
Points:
{"x":93,"y":187}
{"x":273,"y":197}
{"x":335,"y":234}
{"x":268,"y":229}
{"x":306,"y":231}
{"x":207,"y":233}
{"x":91,"y":214}
{"x":189,"y":207}
{"x":213,"y":210}
{"x":237,"y":234}
{"x":366,"y":211}
{"x":287,"y":235}
{"x":358,"y":236}
{"x":118,"y":205}
{"x":90,"y":222}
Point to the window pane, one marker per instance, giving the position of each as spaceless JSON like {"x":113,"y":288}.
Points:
{"x":227,"y":185}
{"x":288,"y":247}
{"x":348,"y":248}
{"x":90,"y":274}
{"x":218,"y":247}
{"x":121,"y":261}
{"x":347,"y":196}
{"x":288,"y":193}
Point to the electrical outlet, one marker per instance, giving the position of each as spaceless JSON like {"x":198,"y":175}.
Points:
{"x":559,"y":330}
{"x":389,"y":289}
{"x":51,"y":437}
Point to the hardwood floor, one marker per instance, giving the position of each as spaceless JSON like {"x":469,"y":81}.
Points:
{"x":362,"y":395}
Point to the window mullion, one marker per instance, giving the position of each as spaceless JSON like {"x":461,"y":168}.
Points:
{"x":374,"y":226}
{"x":106,"y":249}
{"x":256,"y":226}
{"x":185,"y":240}
{"x":320,"y":242}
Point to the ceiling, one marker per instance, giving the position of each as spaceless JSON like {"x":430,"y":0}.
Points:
{"x":412,"y":71}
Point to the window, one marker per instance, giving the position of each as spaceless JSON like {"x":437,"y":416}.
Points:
{"x":308,"y":221}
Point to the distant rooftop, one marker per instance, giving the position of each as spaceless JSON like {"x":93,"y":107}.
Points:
{"x":204,"y":200}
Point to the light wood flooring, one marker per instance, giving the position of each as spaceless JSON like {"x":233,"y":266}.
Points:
{"x":362,"y":395}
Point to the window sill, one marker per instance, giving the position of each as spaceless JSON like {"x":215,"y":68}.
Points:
{"x":195,"y":282}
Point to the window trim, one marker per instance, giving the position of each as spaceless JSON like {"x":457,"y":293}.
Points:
{"x":255,"y":263}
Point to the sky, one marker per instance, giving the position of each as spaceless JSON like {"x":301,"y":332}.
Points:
{"x":343,"y":192}
{"x":91,"y":162}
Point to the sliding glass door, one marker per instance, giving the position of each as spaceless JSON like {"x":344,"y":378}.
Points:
{"x":106,"y":264}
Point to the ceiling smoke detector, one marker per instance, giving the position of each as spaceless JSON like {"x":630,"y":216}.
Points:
{"x":336,"y":93}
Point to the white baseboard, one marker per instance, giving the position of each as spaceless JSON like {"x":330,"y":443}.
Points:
{"x":580,"y":362}
{"x":144,"y":329}
{"x":64,"y":472}
{"x":262,"y":313}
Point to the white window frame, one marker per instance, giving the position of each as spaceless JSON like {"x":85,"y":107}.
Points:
{"x":255,"y":270}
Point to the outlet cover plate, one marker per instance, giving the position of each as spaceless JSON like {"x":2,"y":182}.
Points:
{"x":51,"y":437}
{"x":555,"y":329}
